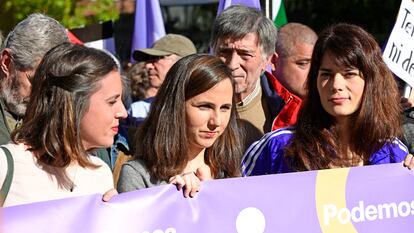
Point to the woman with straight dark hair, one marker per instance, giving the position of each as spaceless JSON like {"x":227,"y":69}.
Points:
{"x":351,"y":116}
{"x":191,"y":132}
{"x":74,"y":107}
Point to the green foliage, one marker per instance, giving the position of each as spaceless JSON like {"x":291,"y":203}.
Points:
{"x":71,"y":13}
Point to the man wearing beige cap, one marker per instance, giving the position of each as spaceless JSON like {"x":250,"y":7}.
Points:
{"x":158,"y":60}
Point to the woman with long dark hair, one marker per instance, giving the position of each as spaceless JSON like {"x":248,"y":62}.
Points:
{"x":191,"y":132}
{"x":350,"y":117}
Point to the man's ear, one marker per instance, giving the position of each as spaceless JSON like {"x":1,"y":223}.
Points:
{"x":5,"y":61}
{"x":273,"y":60}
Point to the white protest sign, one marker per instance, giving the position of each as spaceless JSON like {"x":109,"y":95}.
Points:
{"x":398,"y":53}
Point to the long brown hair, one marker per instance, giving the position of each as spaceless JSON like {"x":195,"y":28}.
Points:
{"x":162,"y":140}
{"x":63,"y":83}
{"x":377,"y":121}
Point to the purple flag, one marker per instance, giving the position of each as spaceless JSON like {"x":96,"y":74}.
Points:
{"x":148,"y":26}
{"x":223,"y":4}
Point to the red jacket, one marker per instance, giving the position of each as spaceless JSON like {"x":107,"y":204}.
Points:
{"x":287,"y":111}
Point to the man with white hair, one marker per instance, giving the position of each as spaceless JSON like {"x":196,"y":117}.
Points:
{"x":245,"y":40}
{"x":21,"y":53}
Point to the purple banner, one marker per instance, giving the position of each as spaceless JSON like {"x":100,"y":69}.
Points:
{"x":223,"y":4}
{"x":362,"y":199}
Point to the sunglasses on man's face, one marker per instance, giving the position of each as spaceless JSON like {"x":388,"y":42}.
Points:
{"x":155,"y":58}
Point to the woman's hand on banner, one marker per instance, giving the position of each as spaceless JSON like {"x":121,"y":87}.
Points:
{"x":409,"y":161}
{"x":109,"y":194}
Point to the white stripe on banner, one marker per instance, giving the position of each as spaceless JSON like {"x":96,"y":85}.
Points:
{"x":107,"y":44}
{"x":275,"y":8}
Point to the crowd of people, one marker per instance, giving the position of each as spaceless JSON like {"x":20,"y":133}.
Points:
{"x":267,"y":100}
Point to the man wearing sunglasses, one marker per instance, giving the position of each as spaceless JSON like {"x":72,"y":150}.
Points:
{"x":158,"y":60}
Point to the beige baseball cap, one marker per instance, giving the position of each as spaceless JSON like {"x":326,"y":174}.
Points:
{"x":167,"y":45}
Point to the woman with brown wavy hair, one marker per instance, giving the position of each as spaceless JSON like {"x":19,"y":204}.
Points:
{"x":191,"y":132}
{"x":74,"y":107}
{"x":351,"y":116}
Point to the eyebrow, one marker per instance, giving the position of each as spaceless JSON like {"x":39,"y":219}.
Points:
{"x":346,"y":70}
{"x":116,"y":96}
{"x":304,"y":59}
{"x":204,"y":103}
{"x":210,"y":103}
{"x":226,"y":49}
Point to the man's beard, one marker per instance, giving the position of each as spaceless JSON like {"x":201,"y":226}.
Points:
{"x":9,"y":92}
